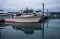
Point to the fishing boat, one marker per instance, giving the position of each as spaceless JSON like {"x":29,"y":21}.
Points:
{"x":24,"y":18}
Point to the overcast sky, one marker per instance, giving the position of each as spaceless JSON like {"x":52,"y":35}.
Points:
{"x":52,"y":5}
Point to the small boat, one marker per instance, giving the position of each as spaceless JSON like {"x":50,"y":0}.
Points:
{"x":24,"y":18}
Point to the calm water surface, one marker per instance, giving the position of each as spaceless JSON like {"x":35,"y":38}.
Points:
{"x":46,"y":30}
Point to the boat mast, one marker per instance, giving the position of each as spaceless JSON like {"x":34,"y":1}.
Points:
{"x":22,"y":6}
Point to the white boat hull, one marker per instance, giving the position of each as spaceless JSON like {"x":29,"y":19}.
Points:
{"x":23,"y":19}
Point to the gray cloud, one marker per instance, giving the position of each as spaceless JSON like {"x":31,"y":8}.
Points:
{"x":52,"y":5}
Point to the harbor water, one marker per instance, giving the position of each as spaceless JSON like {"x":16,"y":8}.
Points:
{"x":45,"y":30}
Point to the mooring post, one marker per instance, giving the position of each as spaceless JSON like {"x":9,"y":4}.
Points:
{"x":43,"y":8}
{"x":47,"y":12}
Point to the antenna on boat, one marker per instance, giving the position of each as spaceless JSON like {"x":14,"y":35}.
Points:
{"x":43,"y":8}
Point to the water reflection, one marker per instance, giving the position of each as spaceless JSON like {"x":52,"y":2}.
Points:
{"x":1,"y":28}
{"x":26,"y":28}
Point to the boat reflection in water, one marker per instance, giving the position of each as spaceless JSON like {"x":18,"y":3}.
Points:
{"x":26,"y":28}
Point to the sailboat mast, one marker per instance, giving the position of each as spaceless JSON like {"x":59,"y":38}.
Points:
{"x":22,"y":6}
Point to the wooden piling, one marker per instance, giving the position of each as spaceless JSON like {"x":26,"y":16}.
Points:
{"x":2,"y":20}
